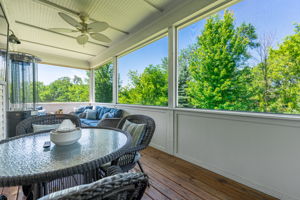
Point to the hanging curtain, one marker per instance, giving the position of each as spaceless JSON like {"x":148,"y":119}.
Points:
{"x":2,"y":65}
{"x":2,"y":93}
{"x":22,"y":83}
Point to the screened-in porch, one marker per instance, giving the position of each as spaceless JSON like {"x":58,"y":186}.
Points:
{"x":212,"y":85}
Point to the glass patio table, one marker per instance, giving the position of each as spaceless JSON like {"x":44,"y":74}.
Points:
{"x":24,"y":161}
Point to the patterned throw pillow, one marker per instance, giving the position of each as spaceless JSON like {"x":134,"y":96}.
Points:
{"x":48,"y":127}
{"x":136,"y":131}
{"x":91,"y":114}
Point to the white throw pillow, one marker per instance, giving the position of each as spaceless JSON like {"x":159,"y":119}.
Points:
{"x":47,"y":127}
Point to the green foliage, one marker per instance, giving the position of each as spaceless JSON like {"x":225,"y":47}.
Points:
{"x":283,"y":75}
{"x":64,"y":89}
{"x":104,"y":83}
{"x":147,"y":88}
{"x":217,"y":67}
{"x":184,"y":58}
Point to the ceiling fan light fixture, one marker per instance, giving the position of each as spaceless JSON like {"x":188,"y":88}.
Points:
{"x":82,"y":39}
{"x":91,"y":29}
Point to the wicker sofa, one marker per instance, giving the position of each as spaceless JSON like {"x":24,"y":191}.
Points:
{"x":105,"y":116}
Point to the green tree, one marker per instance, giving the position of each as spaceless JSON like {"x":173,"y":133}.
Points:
{"x":183,"y":74}
{"x":147,"y":88}
{"x":64,"y":89}
{"x":285,"y":75}
{"x":104,"y":83}
{"x":219,"y":77}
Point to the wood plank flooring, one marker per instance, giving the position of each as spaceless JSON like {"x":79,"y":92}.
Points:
{"x":174,"y":178}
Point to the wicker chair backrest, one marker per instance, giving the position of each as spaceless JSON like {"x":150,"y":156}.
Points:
{"x":25,"y":126}
{"x":118,"y":187}
{"x":141,"y":119}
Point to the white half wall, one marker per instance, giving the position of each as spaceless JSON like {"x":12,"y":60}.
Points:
{"x":258,"y":150}
{"x":261,"y":152}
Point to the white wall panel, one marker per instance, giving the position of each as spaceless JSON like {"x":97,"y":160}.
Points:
{"x":261,"y":153}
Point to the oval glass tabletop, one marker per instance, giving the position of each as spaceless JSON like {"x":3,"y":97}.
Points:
{"x":26,"y":155}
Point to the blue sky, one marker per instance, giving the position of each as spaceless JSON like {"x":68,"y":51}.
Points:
{"x":276,"y":17}
{"x":50,"y":73}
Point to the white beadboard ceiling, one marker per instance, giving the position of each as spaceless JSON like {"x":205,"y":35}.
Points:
{"x":31,"y":19}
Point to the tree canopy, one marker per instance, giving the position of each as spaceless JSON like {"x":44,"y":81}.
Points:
{"x":217,"y":66}
{"x":64,"y":89}
{"x":147,"y":88}
{"x":104,"y":83}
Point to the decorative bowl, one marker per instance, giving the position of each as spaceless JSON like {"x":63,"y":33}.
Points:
{"x":65,"y":138}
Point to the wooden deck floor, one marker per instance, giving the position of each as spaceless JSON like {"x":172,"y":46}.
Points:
{"x":173,"y":178}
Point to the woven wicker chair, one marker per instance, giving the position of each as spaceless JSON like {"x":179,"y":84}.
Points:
{"x":129,"y":160}
{"x":118,"y":186}
{"x":25,"y":126}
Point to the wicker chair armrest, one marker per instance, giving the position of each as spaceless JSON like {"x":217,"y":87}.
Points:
{"x":109,"y":122}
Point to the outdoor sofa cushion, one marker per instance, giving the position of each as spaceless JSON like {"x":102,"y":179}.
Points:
{"x":101,"y":113}
{"x":89,"y":122}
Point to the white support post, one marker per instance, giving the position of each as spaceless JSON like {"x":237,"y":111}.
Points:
{"x":115,"y":80}
{"x":92,"y":86}
{"x":172,"y":89}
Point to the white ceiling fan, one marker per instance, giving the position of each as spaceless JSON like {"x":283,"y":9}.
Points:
{"x":84,"y":28}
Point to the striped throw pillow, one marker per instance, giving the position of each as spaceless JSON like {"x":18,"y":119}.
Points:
{"x":136,"y":131}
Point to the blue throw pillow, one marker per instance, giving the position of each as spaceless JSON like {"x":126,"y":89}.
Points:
{"x":88,"y":107}
{"x":39,"y":107}
{"x":99,"y":109}
{"x":91,"y":114}
{"x":116,"y":113}
{"x":107,"y":115}
{"x":79,"y":110}
{"x":103,"y":111}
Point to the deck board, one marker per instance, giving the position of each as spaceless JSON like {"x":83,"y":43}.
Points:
{"x":174,"y":178}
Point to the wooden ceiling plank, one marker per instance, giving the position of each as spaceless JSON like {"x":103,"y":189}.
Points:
{"x":40,"y":28}
{"x":56,"y":6}
{"x":153,"y":6}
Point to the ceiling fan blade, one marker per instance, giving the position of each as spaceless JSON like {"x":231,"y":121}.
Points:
{"x":82,"y":39}
{"x":70,"y":20}
{"x":100,"y":37}
{"x":63,"y":30}
{"x":97,"y":26}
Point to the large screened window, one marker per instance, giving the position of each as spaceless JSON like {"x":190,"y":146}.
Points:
{"x":104,"y":83}
{"x":62,"y":84}
{"x":143,"y":75}
{"x":244,"y":58}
